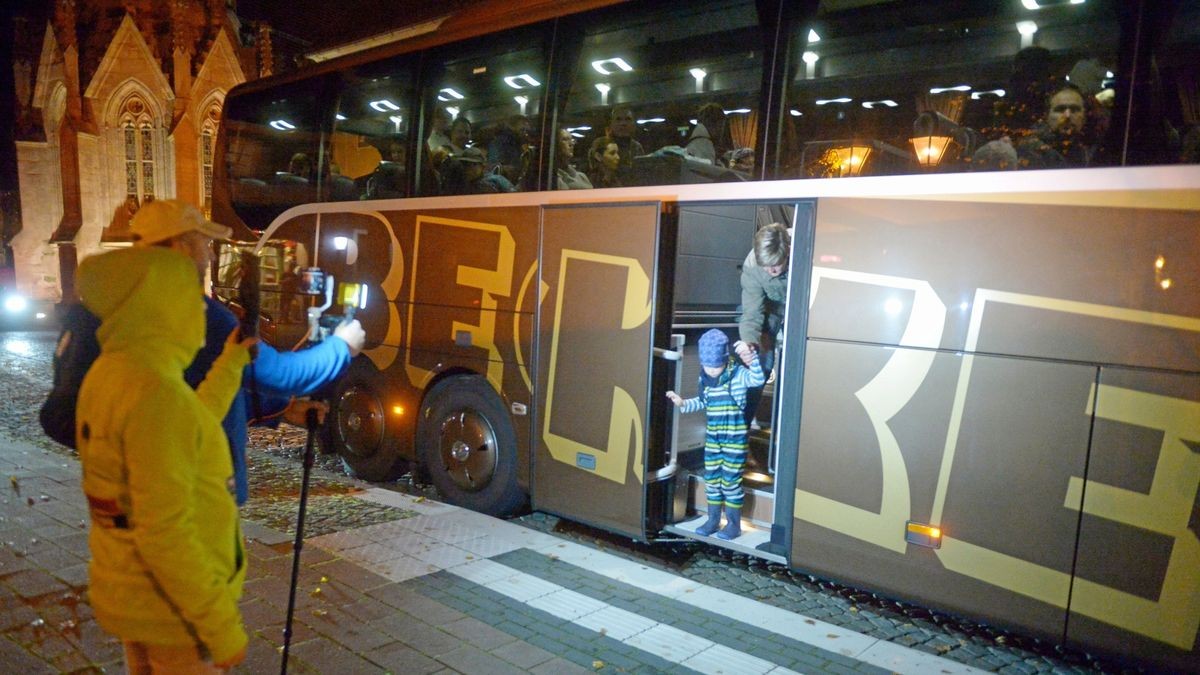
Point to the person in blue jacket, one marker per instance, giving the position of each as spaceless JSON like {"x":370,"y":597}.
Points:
{"x":274,"y":377}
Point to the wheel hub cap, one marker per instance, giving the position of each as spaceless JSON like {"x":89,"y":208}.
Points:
{"x":468,"y":449}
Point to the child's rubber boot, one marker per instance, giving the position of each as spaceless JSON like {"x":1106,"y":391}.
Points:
{"x":713,"y":522}
{"x":733,"y":525}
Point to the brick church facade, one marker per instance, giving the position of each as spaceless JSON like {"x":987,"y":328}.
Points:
{"x":118,"y":104}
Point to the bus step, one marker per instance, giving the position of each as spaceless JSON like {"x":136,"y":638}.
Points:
{"x":752,"y":537}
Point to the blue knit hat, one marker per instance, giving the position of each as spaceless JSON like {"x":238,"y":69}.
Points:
{"x":714,"y":348}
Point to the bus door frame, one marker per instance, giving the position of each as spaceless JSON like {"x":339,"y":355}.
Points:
{"x":789,"y":377}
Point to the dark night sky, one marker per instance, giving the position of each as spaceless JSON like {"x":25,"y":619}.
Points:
{"x":327,"y":22}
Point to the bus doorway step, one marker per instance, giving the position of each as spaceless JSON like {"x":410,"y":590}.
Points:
{"x":753,"y":536}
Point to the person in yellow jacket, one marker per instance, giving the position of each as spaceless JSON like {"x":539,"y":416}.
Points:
{"x":167,"y":555}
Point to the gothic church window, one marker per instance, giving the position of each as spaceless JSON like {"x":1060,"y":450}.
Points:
{"x":137,"y":128}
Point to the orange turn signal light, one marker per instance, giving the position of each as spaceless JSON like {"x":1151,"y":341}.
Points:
{"x":921,"y":534}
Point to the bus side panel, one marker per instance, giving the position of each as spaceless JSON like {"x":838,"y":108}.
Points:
{"x":863,"y":474}
{"x":594,"y":349}
{"x":954,"y":355}
{"x":443,"y":296}
{"x":1138,"y":547}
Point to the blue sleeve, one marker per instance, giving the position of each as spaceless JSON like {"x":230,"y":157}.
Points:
{"x":284,"y":374}
{"x":269,"y":412}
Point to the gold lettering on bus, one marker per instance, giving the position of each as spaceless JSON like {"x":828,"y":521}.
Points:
{"x":385,"y":353}
{"x":625,"y":423}
{"x":1175,"y":616}
{"x":492,"y":283}
{"x":882,"y":398}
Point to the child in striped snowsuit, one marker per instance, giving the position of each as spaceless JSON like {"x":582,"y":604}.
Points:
{"x":723,"y":385}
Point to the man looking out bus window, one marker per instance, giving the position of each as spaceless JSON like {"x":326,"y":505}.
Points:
{"x":764,"y":291}
{"x":273,"y":377}
{"x":621,"y":128}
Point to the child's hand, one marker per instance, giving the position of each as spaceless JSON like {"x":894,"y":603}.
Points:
{"x":675,"y":398}
{"x":745,"y":352}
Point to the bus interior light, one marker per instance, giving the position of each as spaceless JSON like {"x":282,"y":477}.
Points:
{"x":957,"y":87}
{"x":795,"y":113}
{"x":521,"y":81}
{"x":652,"y":120}
{"x":339,"y":117}
{"x":920,"y":534}
{"x":810,"y":57}
{"x":383,"y":105}
{"x":600,"y":66}
{"x":738,"y":111}
{"x":998,"y":93}
{"x":813,"y":38}
{"x":1027,"y":28}
{"x":282,"y":125}
{"x":450,"y":94}
{"x":826,"y":101}
{"x":452,"y":110}
{"x":887,"y":103}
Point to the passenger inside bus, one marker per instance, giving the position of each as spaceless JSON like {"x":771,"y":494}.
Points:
{"x":604,"y":162}
{"x":460,"y":135}
{"x":388,"y":181}
{"x":708,"y":141}
{"x":1067,"y":136}
{"x":509,"y":151}
{"x":621,"y":129}
{"x":466,"y":174}
{"x":438,"y":137}
{"x":567,"y":177}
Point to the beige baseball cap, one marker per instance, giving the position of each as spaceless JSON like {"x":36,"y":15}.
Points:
{"x":160,"y":220}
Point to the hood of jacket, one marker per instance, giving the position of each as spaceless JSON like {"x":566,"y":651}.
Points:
{"x":148,"y":301}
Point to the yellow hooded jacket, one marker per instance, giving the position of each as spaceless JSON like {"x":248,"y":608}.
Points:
{"x":167,"y":558}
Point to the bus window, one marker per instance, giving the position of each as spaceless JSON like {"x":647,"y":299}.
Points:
{"x":663,"y":96}
{"x":896,"y":88}
{"x":1166,"y":103}
{"x":369,"y":147}
{"x":273,"y":147}
{"x":491,"y":92}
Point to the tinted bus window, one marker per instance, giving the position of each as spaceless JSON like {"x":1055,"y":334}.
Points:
{"x":484,"y":106}
{"x":663,"y":96}
{"x":274,"y":149}
{"x":369,"y":147}
{"x":1166,"y":102}
{"x":914,"y":87}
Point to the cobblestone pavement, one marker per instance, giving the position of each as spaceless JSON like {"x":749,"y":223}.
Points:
{"x":47,"y":625}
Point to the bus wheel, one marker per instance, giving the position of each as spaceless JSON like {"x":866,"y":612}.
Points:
{"x":357,"y":428}
{"x":466,"y":441}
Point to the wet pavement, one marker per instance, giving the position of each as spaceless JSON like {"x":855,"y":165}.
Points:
{"x":394,"y":581}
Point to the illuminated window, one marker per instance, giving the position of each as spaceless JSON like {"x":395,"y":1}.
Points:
{"x":138,"y":136}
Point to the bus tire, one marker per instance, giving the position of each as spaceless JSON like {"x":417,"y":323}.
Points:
{"x":357,"y":426}
{"x":466,"y":441}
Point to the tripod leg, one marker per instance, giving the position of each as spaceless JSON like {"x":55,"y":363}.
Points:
{"x":310,"y":419}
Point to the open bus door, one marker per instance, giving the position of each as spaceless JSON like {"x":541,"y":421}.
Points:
{"x":714,"y":239}
{"x":603,"y":346}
